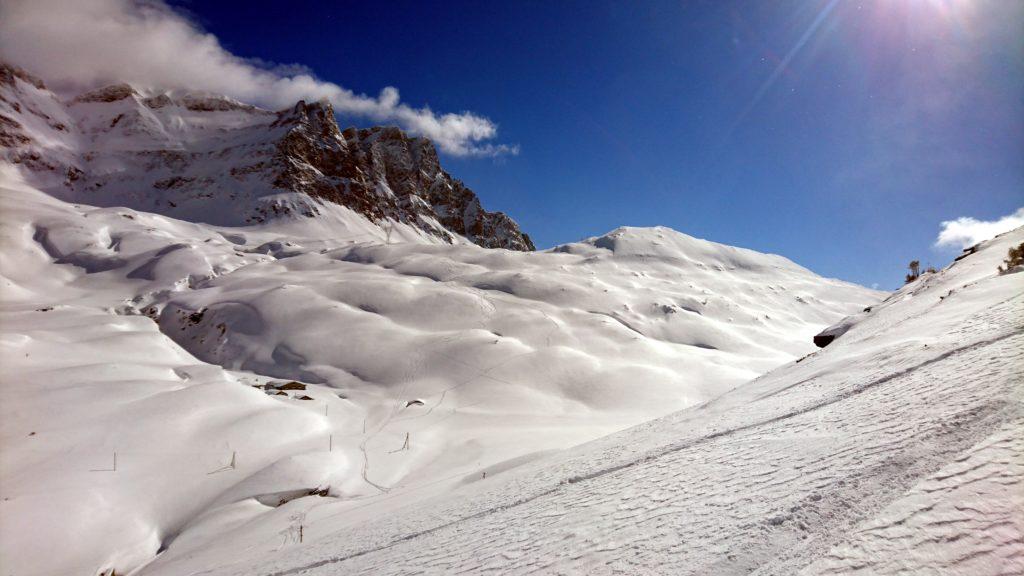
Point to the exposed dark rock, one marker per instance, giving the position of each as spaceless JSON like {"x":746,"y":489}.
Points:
{"x":9,"y":72}
{"x":158,"y":102}
{"x":213,"y":103}
{"x":382,"y":173}
{"x":822,"y":340}
{"x":967,"y":252}
{"x":108,"y":94}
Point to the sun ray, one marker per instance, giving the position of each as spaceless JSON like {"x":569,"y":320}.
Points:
{"x":783,"y":65}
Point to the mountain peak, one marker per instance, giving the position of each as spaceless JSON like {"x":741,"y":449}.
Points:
{"x":111,"y":93}
{"x":8,"y":72}
{"x":385,"y":174}
{"x":209,"y":158}
{"x":666,"y":244}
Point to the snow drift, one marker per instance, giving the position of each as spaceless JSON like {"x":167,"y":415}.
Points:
{"x":181,"y":395}
{"x":167,"y":343}
{"x":895,"y":450}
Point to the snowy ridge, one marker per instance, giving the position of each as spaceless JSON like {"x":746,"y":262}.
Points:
{"x":207,"y":158}
{"x":417,"y":367}
{"x":893,"y":450}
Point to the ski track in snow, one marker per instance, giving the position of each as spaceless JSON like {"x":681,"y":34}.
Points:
{"x":640,"y":507}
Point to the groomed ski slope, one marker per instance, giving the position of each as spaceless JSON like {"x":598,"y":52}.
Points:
{"x":895,"y":450}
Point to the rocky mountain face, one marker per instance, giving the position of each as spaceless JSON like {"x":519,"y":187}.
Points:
{"x":383,"y":173}
{"x":208,"y":158}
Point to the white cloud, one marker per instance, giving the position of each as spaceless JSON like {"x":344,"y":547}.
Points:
{"x":966,"y":231}
{"x":85,"y":43}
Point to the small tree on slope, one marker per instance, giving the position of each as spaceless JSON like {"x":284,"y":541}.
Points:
{"x":1014,"y":258}
{"x":915,"y":271}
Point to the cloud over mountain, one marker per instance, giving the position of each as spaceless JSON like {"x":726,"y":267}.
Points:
{"x":966,"y":231}
{"x":86,"y":43}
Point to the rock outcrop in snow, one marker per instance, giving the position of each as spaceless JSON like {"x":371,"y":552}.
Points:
{"x":208,"y":158}
{"x":384,"y":174}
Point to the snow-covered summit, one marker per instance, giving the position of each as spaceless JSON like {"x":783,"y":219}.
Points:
{"x":666,"y":244}
{"x":208,"y":158}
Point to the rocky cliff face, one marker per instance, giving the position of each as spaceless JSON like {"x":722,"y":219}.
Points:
{"x":383,"y":173}
{"x":208,"y":158}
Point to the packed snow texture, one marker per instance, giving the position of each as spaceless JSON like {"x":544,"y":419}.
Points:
{"x":895,"y":450}
{"x":145,"y":362}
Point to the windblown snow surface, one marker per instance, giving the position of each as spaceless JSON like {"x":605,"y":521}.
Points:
{"x":148,"y":422}
{"x":328,"y":395}
{"x":898,"y":449}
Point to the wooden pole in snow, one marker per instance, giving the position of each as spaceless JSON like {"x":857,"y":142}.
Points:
{"x":113,"y":469}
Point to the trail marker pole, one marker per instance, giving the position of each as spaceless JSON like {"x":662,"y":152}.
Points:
{"x":113,"y":469}
{"x":230,"y":466}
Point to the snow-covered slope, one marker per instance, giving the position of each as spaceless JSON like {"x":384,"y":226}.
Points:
{"x":897,"y":449}
{"x":289,"y":353}
{"x":417,"y":367}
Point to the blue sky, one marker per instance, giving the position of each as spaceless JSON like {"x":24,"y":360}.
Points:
{"x":839,"y":134}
